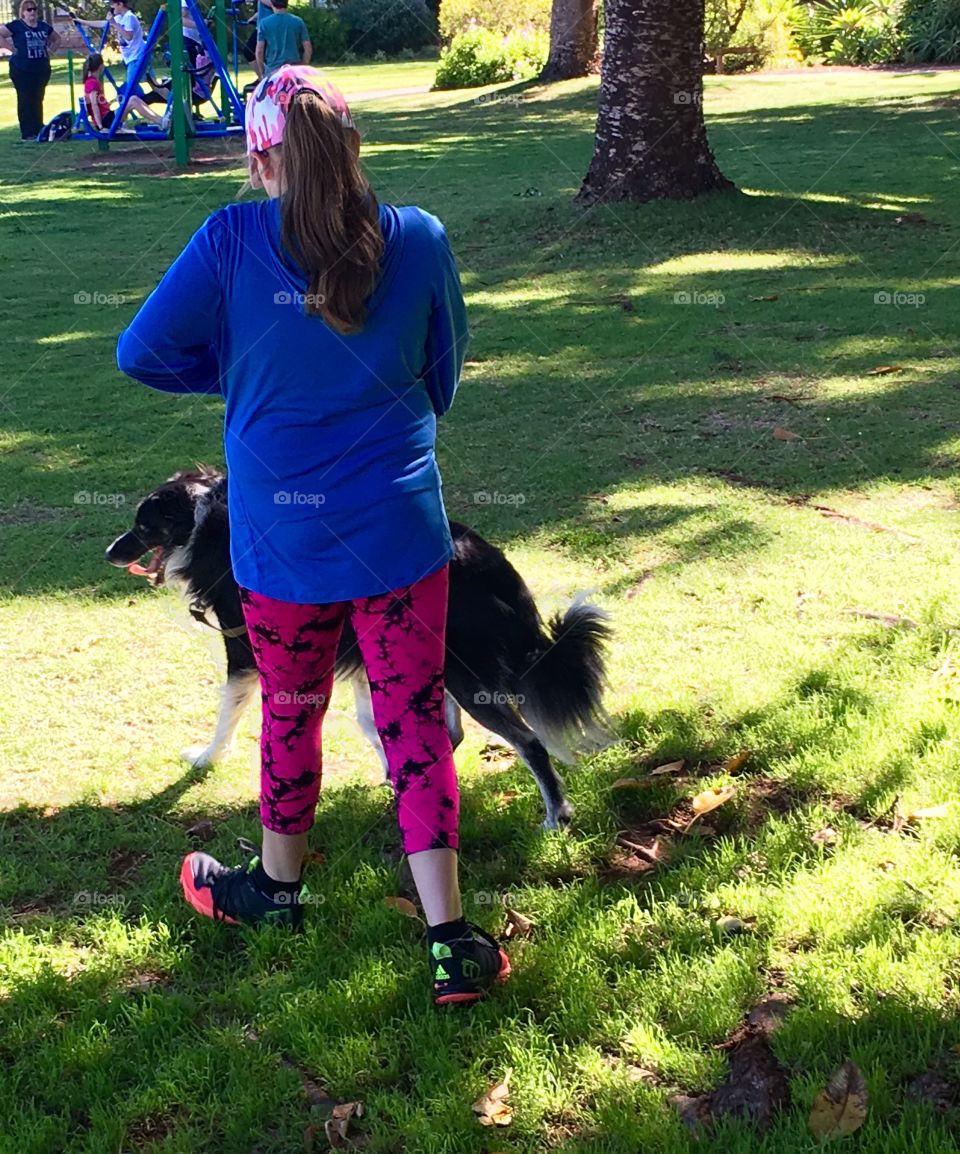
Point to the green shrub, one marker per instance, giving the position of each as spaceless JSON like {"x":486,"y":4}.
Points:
{"x":482,"y":57}
{"x":387,"y":26}
{"x":457,"y":16}
{"x":852,"y":31}
{"x":326,"y":33}
{"x":741,"y":37}
{"x":931,"y":31}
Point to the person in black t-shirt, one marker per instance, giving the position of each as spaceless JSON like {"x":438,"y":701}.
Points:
{"x":31,"y":40}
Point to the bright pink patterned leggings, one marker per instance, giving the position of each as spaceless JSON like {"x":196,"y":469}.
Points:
{"x":401,"y":640}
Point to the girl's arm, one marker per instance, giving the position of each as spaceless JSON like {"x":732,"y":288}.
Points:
{"x":448,"y":333}
{"x":171,"y":343}
{"x":93,"y":110}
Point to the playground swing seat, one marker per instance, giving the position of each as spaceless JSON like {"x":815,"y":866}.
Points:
{"x":138,"y":130}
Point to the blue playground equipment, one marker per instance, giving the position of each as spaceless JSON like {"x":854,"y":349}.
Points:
{"x":189,"y":85}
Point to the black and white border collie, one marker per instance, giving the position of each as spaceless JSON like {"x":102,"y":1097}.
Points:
{"x":538,"y":686}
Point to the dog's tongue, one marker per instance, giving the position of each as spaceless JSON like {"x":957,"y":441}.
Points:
{"x":150,"y":568}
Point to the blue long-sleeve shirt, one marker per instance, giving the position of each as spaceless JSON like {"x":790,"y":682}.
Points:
{"x":334,"y":488}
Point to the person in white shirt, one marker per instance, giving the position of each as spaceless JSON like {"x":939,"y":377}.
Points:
{"x":126,"y":27}
{"x":191,"y":37}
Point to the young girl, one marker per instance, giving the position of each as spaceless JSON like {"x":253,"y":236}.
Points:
{"x":335,"y":329}
{"x":98,"y":107}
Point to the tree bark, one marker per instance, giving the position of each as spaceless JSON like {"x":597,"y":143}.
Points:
{"x":651,"y":141}
{"x":573,"y":39}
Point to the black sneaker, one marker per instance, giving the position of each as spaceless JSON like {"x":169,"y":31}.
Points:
{"x":465,"y":969}
{"x":232,"y":896}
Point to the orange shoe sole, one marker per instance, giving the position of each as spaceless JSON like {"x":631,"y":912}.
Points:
{"x":200,"y":897}
{"x":450,"y":999}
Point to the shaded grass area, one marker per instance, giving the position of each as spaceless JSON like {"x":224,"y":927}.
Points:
{"x":611,"y":435}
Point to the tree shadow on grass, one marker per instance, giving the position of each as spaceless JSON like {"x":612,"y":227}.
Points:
{"x":607,"y":378}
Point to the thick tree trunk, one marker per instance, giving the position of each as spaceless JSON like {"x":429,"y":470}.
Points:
{"x":573,"y":39}
{"x":651,"y":142}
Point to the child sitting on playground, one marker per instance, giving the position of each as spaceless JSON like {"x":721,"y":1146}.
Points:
{"x":98,"y":107}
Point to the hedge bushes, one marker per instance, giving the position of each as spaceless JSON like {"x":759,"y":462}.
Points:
{"x":388,"y":26}
{"x":326,"y":32}
{"x":503,"y":16}
{"x":482,"y":57}
{"x":931,"y":31}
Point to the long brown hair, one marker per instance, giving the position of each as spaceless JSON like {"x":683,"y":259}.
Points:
{"x":91,"y":64}
{"x":329,"y":216}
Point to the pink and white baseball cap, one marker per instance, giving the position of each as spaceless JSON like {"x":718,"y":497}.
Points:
{"x":267,"y":105}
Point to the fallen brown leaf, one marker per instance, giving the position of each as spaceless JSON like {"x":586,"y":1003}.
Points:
{"x":826,"y":836}
{"x":910,"y":218}
{"x":841,"y":1107}
{"x":883,"y":370}
{"x":402,"y":906}
{"x":930,"y":811}
{"x":670,"y":767}
{"x":491,"y":1108}
{"x":336,"y":1127}
{"x":773,"y":297}
{"x":651,"y":853}
{"x":738,"y":761}
{"x":783,"y":434}
{"x":503,"y":799}
{"x":629,"y":783}
{"x":711,"y":799}
{"x":518,"y":925}
{"x":202,"y":830}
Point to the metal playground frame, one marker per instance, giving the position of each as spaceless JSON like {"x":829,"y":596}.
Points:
{"x":187,"y":82}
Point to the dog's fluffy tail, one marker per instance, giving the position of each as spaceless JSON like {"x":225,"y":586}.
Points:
{"x":560,"y":694}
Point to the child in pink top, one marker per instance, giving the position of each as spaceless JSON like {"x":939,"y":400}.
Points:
{"x":98,"y":107}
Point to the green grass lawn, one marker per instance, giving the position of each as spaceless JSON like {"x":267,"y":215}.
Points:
{"x":632,"y":377}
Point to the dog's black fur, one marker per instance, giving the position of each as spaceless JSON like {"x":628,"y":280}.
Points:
{"x":537,"y":686}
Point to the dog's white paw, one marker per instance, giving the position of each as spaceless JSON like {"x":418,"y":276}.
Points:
{"x":200,"y":756}
{"x":560,"y":819}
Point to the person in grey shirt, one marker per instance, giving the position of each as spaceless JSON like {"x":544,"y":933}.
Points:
{"x":283,"y":39}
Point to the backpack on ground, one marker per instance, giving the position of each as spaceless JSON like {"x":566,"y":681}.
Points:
{"x":57,"y":129}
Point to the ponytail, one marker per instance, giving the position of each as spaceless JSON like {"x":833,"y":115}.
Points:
{"x":329,"y":216}
{"x":91,"y":64}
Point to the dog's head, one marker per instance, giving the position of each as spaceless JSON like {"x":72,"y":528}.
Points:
{"x":164,"y":522}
